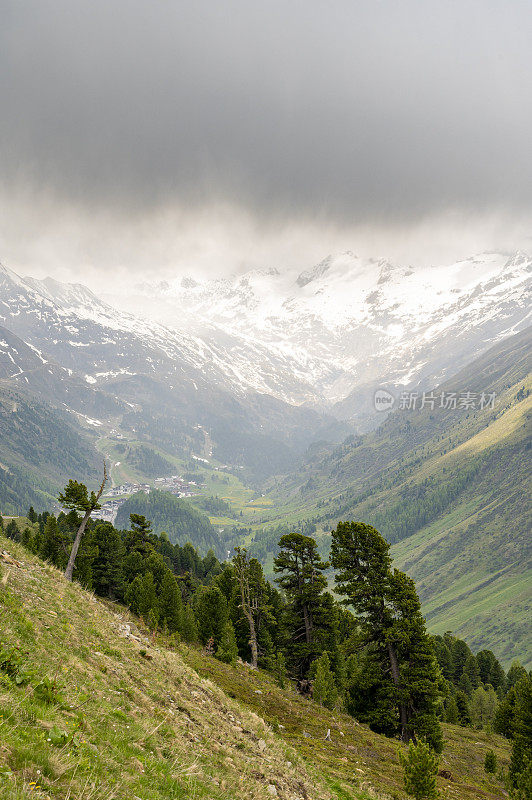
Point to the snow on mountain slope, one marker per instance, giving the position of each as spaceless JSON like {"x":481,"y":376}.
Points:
{"x":327,"y":336}
{"x":352,"y":322}
{"x":89,"y":336}
{"x":163,"y":385}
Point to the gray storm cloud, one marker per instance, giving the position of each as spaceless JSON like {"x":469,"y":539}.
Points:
{"x":357,"y":109}
{"x":358,"y":112}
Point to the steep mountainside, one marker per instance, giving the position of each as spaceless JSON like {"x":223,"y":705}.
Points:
{"x":449,"y":488}
{"x":40,"y":449}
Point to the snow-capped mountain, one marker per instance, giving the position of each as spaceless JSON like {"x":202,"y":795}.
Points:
{"x":351,"y":323}
{"x":326,"y":337}
{"x":61,"y":342}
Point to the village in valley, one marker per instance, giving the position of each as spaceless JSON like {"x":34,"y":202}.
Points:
{"x":175,"y":484}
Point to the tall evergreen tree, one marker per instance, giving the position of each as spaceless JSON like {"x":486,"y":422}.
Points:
{"x":53,"y":544}
{"x":170,"y":603}
{"x":211,"y":613}
{"x":12,"y":531}
{"x":141,"y":595}
{"x":472,"y":671}
{"x":516,"y":673}
{"x":249,"y":601}
{"x":189,"y":628}
{"x":462,"y":704}
{"x":253,"y":601}
{"x":390,"y":618}
{"x":227,"y":650}
{"x":520,"y":771}
{"x":107,"y":565}
{"x":301,"y":571}
{"x":490,"y":670}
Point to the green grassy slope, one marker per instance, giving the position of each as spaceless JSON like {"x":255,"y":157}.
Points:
{"x":87,"y":714}
{"x":118,"y":724}
{"x":451,"y":491}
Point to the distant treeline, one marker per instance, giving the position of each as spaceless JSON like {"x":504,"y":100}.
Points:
{"x":176,"y":517}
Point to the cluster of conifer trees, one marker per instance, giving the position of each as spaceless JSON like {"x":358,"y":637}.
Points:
{"x":377,"y":663}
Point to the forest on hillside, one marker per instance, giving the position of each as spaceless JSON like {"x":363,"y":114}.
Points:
{"x":367,"y":653}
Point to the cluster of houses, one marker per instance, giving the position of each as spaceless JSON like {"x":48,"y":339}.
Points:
{"x":128,"y":488}
{"x":175,"y":484}
{"x":109,"y":510}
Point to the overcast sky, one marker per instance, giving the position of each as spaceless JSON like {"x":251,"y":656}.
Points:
{"x":156,"y":137}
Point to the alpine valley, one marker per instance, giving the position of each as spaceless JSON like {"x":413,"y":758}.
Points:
{"x":260,"y":387}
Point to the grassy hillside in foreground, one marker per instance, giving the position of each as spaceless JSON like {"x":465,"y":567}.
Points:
{"x":119,"y":724}
{"x":450,"y":489}
{"x":87,"y":714}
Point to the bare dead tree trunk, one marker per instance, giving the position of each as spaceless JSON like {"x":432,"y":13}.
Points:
{"x":81,"y":530}
{"x":241,"y":565}
{"x":253,"y":640}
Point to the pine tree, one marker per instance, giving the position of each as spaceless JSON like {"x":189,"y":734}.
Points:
{"x":153,"y":617}
{"x":32,"y":516}
{"x":227,"y":650}
{"x":53,"y":545}
{"x":26,"y":539}
{"x":391,"y":622}
{"x":515,"y":674}
{"x":248,"y":573}
{"x":324,"y":689}
{"x":107,"y":565}
{"x":171,"y":604}
{"x":520,"y":770}
{"x":211,"y":613}
{"x":472,"y":671}
{"x":86,"y":555}
{"x":141,"y":595}
{"x":462,"y":704}
{"x":76,"y":498}
{"x":420,"y":767}
{"x":490,"y":670}
{"x":460,"y":653}
{"x":301,"y":571}
{"x":189,"y":628}
{"x":451,"y":712}
{"x":12,"y":531}
{"x":419,"y":675}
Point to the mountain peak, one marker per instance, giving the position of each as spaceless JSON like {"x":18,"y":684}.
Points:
{"x":310,"y":275}
{"x":8,"y":275}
